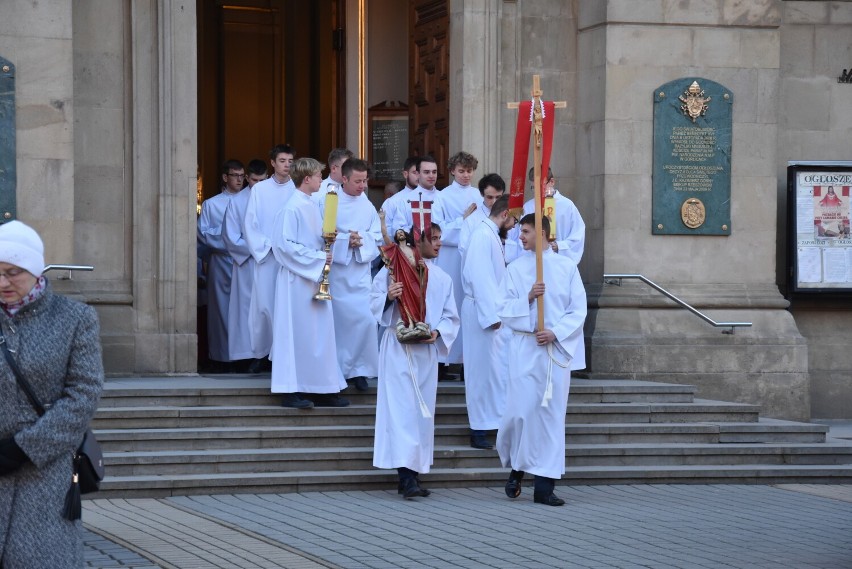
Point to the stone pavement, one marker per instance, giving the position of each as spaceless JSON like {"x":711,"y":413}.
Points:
{"x":653,"y":526}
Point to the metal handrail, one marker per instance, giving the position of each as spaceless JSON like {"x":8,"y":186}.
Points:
{"x":68,"y":268}
{"x":616,"y":280}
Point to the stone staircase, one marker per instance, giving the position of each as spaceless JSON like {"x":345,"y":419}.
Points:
{"x":227,"y":434}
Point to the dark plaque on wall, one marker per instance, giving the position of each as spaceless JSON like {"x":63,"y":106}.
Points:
{"x":388,"y":144}
{"x":7,"y":141}
{"x":692,"y":158}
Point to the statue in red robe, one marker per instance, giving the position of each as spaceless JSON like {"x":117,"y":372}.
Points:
{"x":406,"y":266}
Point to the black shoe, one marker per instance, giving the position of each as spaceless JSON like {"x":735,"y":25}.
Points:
{"x":400,"y":488}
{"x":293,"y":401}
{"x":329,"y":400}
{"x":478,"y":440}
{"x":411,"y":489}
{"x":549,"y":500}
{"x":361,"y":383}
{"x":444,"y":373}
{"x":255,"y":365}
{"x":513,"y":486}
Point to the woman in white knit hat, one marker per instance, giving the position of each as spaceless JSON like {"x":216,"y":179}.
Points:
{"x":55,"y":343}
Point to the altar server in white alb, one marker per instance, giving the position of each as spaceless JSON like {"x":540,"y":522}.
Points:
{"x":336,"y":158}
{"x":484,"y":266}
{"x":304,"y":368}
{"x":399,"y":215}
{"x":452,"y":205}
{"x":242,"y":271}
{"x":531,"y":438}
{"x":220,"y":263}
{"x":358,"y":235}
{"x":408,"y":373}
{"x":570,"y":227}
{"x":491,"y":187}
{"x":267,"y":199}
{"x":411,"y":177}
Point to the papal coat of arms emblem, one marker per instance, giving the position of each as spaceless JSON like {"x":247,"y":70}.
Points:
{"x":692,"y":213}
{"x":694,"y":102}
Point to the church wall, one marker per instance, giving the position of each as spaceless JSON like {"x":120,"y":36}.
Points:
{"x":627,"y":49}
{"x":815,"y":123}
{"x":37,"y":40}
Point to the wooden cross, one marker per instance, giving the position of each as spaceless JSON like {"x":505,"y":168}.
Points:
{"x":539,"y":240}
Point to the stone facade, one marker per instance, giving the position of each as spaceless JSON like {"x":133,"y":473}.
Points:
{"x":107,"y":154}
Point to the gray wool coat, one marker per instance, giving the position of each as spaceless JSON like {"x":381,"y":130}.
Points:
{"x":56,"y":344}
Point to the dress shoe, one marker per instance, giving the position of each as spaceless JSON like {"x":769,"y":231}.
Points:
{"x":513,"y":486}
{"x":293,"y":401}
{"x":478,"y":440}
{"x":549,"y":500}
{"x":361,"y":383}
{"x":255,"y":366}
{"x":329,"y":400}
{"x":400,"y":488}
{"x":411,"y":489}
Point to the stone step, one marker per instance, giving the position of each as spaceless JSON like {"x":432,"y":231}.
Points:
{"x":361,"y":458}
{"x":255,"y":392}
{"x":211,"y":438}
{"x":256,"y":415}
{"x":157,"y":486}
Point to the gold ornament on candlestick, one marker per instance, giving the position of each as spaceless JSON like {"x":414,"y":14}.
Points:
{"x":329,"y":234}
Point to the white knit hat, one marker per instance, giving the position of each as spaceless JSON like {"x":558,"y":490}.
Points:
{"x":21,"y":246}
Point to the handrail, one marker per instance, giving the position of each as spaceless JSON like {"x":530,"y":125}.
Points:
{"x":68,"y":268}
{"x":616,"y":280}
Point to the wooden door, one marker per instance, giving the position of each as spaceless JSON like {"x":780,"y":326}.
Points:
{"x":428,"y":81}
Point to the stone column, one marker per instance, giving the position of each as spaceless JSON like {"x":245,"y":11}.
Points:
{"x":626,"y":50}
{"x":164,"y":184}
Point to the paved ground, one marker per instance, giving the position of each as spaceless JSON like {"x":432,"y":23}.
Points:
{"x":655,"y":526}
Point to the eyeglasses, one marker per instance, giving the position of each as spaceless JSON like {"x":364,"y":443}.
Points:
{"x":12,"y":273}
{"x":239,"y":176}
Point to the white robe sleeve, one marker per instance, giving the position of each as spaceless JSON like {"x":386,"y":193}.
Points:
{"x":513,"y":305}
{"x":381,"y":309}
{"x":210,"y":230}
{"x":258,"y":243}
{"x":478,"y":271}
{"x":450,"y":226}
{"x":514,"y":248}
{"x":448,"y":323}
{"x":570,"y":242}
{"x":370,"y":240}
{"x":569,"y":326}
{"x":297,"y":258}
{"x":233,"y":236}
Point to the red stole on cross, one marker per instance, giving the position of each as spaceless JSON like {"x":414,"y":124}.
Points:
{"x":522,"y":152}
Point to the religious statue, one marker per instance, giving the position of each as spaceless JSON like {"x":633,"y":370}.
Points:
{"x":405,"y":265}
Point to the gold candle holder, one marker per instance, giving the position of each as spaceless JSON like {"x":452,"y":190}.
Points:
{"x":323,"y":291}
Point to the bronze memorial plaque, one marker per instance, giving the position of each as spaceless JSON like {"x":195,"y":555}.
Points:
{"x":692,"y":158}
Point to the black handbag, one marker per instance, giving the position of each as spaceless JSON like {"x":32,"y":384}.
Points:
{"x":88,"y":462}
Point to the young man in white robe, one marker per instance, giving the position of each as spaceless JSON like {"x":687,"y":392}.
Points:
{"x":408,"y":373}
{"x":336,"y":158}
{"x":451,"y":206}
{"x":491,"y":187}
{"x":358,"y":236}
{"x":267,"y":199}
{"x":483,"y":269}
{"x":303,"y":361}
{"x":570,"y":227}
{"x":531,"y":437}
{"x":242,"y":271}
{"x":220,"y":263}
{"x":411,"y":177}
{"x":398,"y":215}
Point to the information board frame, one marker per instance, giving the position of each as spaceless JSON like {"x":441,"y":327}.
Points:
{"x":819,"y":241}
{"x":388,"y":141}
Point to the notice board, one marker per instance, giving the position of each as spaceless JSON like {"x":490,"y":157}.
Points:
{"x":819,"y":196}
{"x":388,"y":144}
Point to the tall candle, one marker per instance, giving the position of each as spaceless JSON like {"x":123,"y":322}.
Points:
{"x":329,"y":220}
{"x":550,"y":212}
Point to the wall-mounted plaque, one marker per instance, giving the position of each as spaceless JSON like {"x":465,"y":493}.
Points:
{"x":388,"y":144}
{"x":7,"y":141}
{"x":692,"y":158}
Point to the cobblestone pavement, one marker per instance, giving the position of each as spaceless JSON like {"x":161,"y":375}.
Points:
{"x":656,"y":526}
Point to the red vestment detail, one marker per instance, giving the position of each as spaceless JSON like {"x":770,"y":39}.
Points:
{"x":412,"y":303}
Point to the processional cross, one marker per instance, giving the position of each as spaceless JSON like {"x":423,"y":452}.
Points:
{"x":542,"y":133}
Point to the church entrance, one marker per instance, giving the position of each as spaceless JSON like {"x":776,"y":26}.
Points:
{"x":269,"y":72}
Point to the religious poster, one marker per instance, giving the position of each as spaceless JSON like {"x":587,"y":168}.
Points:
{"x":819,"y":215}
